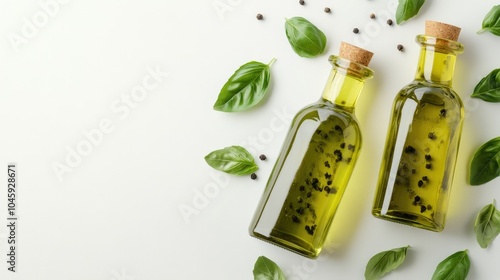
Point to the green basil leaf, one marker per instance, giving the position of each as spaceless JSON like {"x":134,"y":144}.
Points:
{"x":491,"y":21}
{"x":487,"y":225}
{"x":454,"y":267}
{"x":488,"y":89}
{"x":304,"y":37}
{"x":384,"y":262}
{"x":485,"y":164}
{"x":245,"y":88}
{"x":407,"y":9}
{"x":233,"y":160}
{"x":266,"y":269}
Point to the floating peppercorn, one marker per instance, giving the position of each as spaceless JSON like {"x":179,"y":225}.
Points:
{"x":355,"y":30}
{"x":299,"y":199}
{"x":253,"y":176}
{"x":400,"y":47}
{"x":327,"y":10}
{"x":420,"y":183}
{"x":342,"y":145}
{"x":413,"y":171}
{"x":300,"y":210}
{"x":327,"y":164}
{"x":262,"y":157}
{"x":329,"y":182}
{"x":350,"y":147}
{"x":302,"y":188}
{"x":327,"y":189}
{"x":295,"y":219}
{"x":417,"y":198}
{"x":422,"y":209}
{"x":442,"y":113}
{"x":425,"y":178}
{"x":389,"y":22}
{"x":410,"y":150}
{"x":260,"y":17}
{"x":308,"y":194}
{"x":372,"y":15}
{"x":302,"y":2}
{"x":428,"y":166}
{"x":432,"y":135}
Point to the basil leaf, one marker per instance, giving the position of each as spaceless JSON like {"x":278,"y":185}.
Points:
{"x":487,"y":225}
{"x":233,"y":160}
{"x":266,"y":269}
{"x":491,"y":21}
{"x":485,"y":164}
{"x":488,"y":89}
{"x":407,"y":9}
{"x":304,"y":37}
{"x":245,"y":88}
{"x":384,"y":262}
{"x":454,"y":267}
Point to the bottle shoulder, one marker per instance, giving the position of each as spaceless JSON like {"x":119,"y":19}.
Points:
{"x":323,"y":110}
{"x":417,"y":89}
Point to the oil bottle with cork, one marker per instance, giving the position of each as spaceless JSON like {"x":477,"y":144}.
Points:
{"x":422,"y":144}
{"x":316,"y":161}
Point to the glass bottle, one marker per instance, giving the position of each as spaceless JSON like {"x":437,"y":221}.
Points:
{"x":316,"y":161}
{"x":418,"y":163}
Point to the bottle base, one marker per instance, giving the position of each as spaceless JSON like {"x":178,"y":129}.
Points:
{"x":410,"y":219}
{"x":290,"y":243}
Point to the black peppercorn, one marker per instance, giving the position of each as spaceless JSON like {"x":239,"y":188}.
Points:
{"x":327,"y":10}
{"x":428,"y":166}
{"x":420,"y":183}
{"x":342,"y":145}
{"x":372,"y":15}
{"x":302,"y":188}
{"x":260,"y":17}
{"x":350,"y":147}
{"x":355,"y":30}
{"x":299,"y":199}
{"x":442,"y":113}
{"x":295,"y":219}
{"x":422,"y":209}
{"x":253,"y":176}
{"x":327,"y":164}
{"x":410,"y":150}
{"x":425,"y":178}
{"x":302,"y":2}
{"x":389,"y":22}
{"x":400,"y":48}
{"x":417,"y":198}
{"x":432,"y":135}
{"x":308,"y":194}
{"x":428,"y":157}
{"x":262,"y":157}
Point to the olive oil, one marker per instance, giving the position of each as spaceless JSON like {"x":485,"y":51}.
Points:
{"x":316,"y":161}
{"x":422,"y":144}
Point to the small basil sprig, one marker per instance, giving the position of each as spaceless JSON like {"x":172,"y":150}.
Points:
{"x":232,"y":160}
{"x":266,"y":269}
{"x":487,"y":225}
{"x":488,"y":89}
{"x":245,"y":88}
{"x":384,"y":262}
{"x":304,"y":37}
{"x":407,"y":9}
{"x":454,"y":267}
{"x":485,"y":164}
{"x":491,"y":21}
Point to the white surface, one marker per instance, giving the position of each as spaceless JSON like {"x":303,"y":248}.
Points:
{"x":116,"y":215}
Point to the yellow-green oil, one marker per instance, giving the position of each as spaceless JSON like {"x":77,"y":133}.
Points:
{"x":312,"y":171}
{"x":422,"y":145}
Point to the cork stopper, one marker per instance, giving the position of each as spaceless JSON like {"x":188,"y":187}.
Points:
{"x":442,"y":30}
{"x":355,"y":54}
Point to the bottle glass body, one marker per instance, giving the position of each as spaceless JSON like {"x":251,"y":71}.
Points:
{"x":422,"y":144}
{"x":314,"y":166}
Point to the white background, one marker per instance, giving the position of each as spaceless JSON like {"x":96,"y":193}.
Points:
{"x":115,"y":213}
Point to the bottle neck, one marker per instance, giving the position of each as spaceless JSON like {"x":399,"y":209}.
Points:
{"x":437,"y":60}
{"x":345,"y":83}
